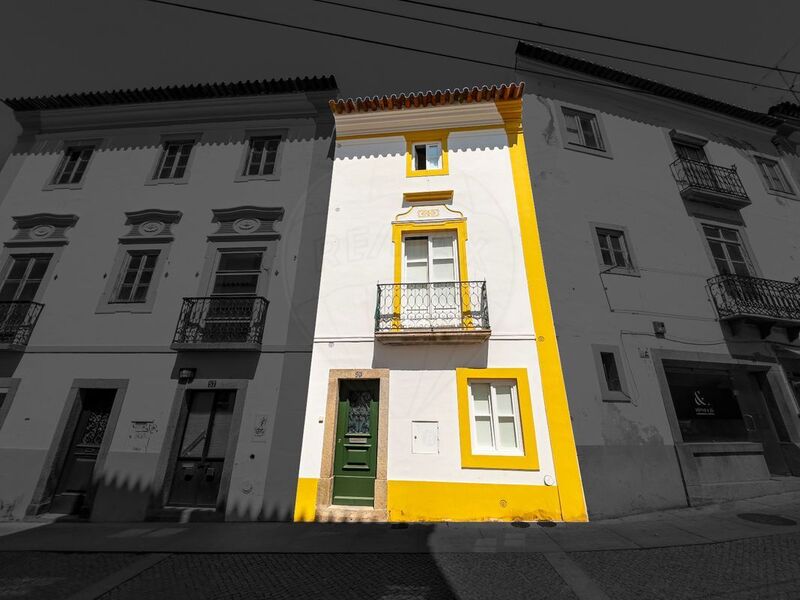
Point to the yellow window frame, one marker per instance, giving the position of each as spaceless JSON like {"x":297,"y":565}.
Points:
{"x":434,"y":135}
{"x":459,"y":227}
{"x":529,"y":460}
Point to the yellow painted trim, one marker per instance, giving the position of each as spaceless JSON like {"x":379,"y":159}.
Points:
{"x":399,"y":133}
{"x":529,"y":460}
{"x":562,"y":441}
{"x":417,"y":137}
{"x":450,"y":501}
{"x":443,"y":195}
{"x":401,"y":229}
{"x":305,"y":502}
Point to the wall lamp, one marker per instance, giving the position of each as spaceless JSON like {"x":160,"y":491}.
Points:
{"x":186,"y":375}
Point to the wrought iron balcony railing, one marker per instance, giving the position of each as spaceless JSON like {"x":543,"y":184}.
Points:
{"x":761,"y":300}
{"x":236,"y":322}
{"x":17,"y":320}
{"x":704,"y":180}
{"x":455,"y":306}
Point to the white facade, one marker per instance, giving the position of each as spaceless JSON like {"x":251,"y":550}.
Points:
{"x":367,"y":201}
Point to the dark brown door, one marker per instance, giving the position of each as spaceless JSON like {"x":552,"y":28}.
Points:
{"x":77,"y":473}
{"x":201,"y":456}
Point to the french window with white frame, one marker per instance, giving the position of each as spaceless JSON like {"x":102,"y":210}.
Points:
{"x":494,"y":417}
{"x":773,"y":175}
{"x":262,"y":154}
{"x":73,"y":165}
{"x":582,"y":129}
{"x":174,"y":160}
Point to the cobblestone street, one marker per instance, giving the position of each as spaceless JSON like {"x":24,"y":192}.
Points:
{"x":765,"y":568}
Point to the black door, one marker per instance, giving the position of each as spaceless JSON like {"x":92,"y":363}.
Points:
{"x":201,"y":456}
{"x":77,"y":473}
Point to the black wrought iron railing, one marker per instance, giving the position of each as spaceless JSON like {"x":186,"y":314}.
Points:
{"x":743,"y":296}
{"x":699,"y":175}
{"x":454,"y":305}
{"x":221,"y":320}
{"x":17,"y":320}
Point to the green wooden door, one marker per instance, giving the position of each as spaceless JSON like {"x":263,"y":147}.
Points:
{"x":355,"y":459}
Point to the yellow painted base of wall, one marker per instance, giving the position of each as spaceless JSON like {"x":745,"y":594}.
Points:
{"x":445,"y":501}
{"x":305,"y":503}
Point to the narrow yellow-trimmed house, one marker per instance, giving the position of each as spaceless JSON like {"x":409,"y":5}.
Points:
{"x":436,"y":390}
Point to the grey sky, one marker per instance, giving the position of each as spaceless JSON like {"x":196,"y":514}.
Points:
{"x":84,"y":45}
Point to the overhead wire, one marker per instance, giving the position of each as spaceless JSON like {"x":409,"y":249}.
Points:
{"x":552,"y":45}
{"x":399,"y":46}
{"x":602,"y":36}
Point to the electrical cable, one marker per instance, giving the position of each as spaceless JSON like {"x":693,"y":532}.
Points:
{"x":399,"y":46}
{"x":560,"y":46}
{"x":602,"y":36}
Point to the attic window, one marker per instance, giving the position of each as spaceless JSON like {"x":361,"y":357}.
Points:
{"x":427,"y":156}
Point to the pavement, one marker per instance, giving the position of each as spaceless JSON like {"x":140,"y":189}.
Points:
{"x":738,"y":550}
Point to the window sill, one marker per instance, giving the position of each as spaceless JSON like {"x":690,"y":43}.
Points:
{"x":427,"y":173}
{"x":62,"y":186}
{"x":587,"y":150}
{"x":616,"y":397}
{"x":183,"y":181}
{"x":123,"y":307}
{"x":245,"y":178}
{"x":787,"y":195}
{"x":500,"y":461}
{"x":620,"y":271}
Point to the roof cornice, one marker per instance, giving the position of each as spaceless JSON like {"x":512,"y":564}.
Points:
{"x":473,"y":95}
{"x":203,"y":91}
{"x":544,"y":55}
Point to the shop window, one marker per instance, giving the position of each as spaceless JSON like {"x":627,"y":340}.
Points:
{"x":705,"y":405}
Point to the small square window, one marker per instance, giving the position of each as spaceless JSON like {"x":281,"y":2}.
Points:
{"x":135,"y":277}
{"x":609,"y":370}
{"x":262,"y":152}
{"x":773,"y":176}
{"x":427,"y":156}
{"x":73,"y":165}
{"x":174,"y":160}
{"x":582,"y":129}
{"x":613,"y":249}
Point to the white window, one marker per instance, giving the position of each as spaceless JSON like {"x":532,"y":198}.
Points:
{"x":135,"y":276}
{"x":430,"y":258}
{"x":427,"y":156}
{"x":494,"y":417}
{"x":23,"y":276}
{"x":73,"y":165}
{"x":174,"y":160}
{"x":773,"y":176}
{"x":613,"y":249}
{"x":730,"y":255}
{"x":237,"y":273}
{"x":262,"y":153}
{"x":582,"y":129}
{"x":430,"y":295}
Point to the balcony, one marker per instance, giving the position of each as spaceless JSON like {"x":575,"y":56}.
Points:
{"x":448,"y":312}
{"x":221,"y":323}
{"x":763,"y":302}
{"x":17,"y":320}
{"x":704,"y":182}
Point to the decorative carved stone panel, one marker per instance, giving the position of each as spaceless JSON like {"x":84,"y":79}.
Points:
{"x":150,"y":226}
{"x":246,"y":223}
{"x":42,"y":229}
